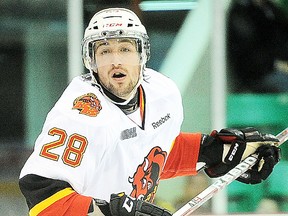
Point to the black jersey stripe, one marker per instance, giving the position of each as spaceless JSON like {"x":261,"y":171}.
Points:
{"x":37,"y":188}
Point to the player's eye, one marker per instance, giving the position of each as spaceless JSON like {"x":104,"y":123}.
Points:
{"x":103,"y":51}
{"x":125,"y":49}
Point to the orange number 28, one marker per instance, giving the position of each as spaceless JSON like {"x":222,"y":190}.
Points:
{"x":72,"y":154}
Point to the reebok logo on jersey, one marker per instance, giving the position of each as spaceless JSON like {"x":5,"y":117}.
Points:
{"x":128,"y":133}
{"x":161,"y":121}
{"x":88,"y":104}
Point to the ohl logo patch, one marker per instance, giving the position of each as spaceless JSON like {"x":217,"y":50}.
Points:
{"x":146,"y":178}
{"x":87,"y":104}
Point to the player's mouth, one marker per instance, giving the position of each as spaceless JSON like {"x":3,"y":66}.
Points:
{"x":119,"y":76}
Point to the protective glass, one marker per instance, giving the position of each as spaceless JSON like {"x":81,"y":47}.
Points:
{"x":120,"y":51}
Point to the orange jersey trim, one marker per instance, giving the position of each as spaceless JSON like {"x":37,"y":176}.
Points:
{"x":183,"y":156}
{"x":65,"y":202}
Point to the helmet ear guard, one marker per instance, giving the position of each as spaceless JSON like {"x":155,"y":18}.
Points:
{"x":87,"y":54}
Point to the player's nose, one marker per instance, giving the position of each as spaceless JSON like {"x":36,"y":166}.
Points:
{"x":116,"y":59}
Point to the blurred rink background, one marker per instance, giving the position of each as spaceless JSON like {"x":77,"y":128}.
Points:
{"x":228,"y":58}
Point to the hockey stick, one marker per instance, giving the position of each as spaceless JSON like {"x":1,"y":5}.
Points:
{"x":226,"y":179}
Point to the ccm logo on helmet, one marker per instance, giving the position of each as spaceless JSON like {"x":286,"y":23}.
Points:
{"x":112,"y":24}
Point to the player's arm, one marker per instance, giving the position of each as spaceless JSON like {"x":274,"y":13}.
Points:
{"x":222,"y":151}
{"x":183,"y":156}
{"x":45,"y":196}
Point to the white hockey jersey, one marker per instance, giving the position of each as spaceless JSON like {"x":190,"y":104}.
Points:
{"x":90,"y":143}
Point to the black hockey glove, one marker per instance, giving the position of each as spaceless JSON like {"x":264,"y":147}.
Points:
{"x":222,"y":151}
{"x":124,"y":205}
{"x":268,"y":156}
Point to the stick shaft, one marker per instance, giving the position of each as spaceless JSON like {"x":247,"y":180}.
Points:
{"x":223,"y":181}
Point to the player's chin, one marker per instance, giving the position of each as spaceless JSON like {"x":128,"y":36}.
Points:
{"x":122,"y":89}
{"x":125,"y":93}
{"x":117,"y":91}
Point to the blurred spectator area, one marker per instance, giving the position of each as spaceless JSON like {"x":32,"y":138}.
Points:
{"x":257,"y":45}
{"x":12,"y":158}
{"x":257,"y":54}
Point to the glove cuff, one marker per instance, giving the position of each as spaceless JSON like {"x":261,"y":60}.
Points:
{"x":210,"y":152}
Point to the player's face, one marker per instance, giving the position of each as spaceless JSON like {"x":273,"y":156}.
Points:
{"x":118,"y":65}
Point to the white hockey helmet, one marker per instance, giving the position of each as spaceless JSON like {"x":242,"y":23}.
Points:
{"x":114,"y":23}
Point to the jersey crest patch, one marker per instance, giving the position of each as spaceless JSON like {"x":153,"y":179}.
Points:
{"x":146,"y":178}
{"x":87,"y":104}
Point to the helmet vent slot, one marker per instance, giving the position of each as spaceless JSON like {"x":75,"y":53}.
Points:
{"x":107,"y":17}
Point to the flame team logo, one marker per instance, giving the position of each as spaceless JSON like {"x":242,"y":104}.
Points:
{"x":87,"y":104}
{"x":146,"y":178}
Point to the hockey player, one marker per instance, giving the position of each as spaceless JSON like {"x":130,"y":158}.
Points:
{"x":115,"y":133}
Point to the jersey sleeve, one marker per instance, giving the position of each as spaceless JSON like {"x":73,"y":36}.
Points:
{"x":55,"y":179}
{"x":183,"y":157}
{"x":45,"y":196}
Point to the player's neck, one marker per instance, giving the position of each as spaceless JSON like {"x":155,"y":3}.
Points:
{"x":127,"y":108}
{"x":131,"y":106}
